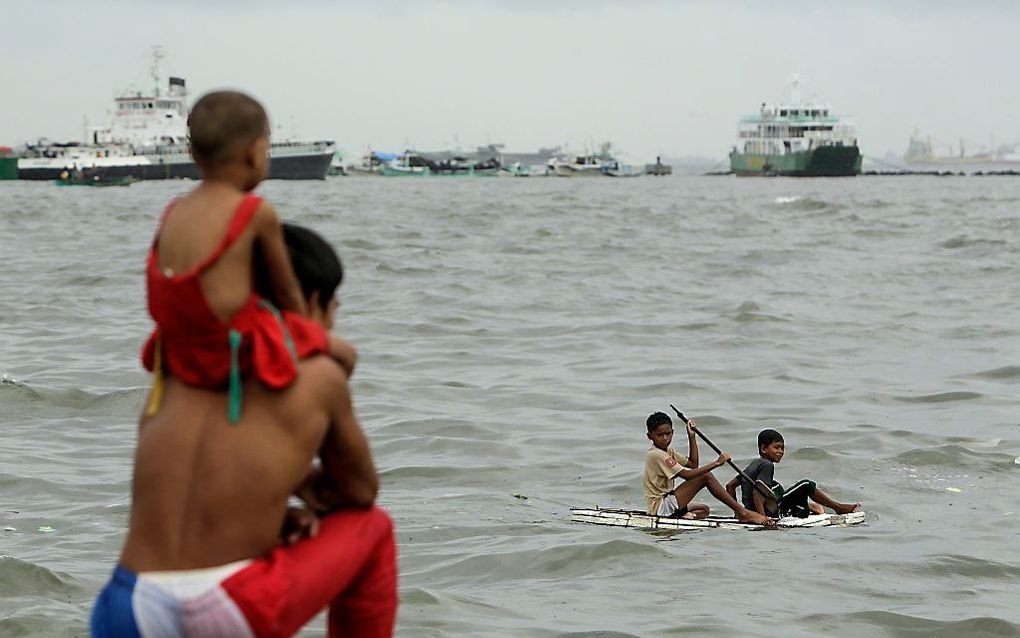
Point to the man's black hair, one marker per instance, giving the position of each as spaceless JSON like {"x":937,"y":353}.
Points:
{"x":768,"y":437}
{"x":316,"y":265}
{"x":655,"y":419}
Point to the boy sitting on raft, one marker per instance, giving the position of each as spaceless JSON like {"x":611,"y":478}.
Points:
{"x":788,"y":502}
{"x":672,"y":480}
{"x":212,"y":328}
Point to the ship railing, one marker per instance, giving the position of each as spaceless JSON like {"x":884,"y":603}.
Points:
{"x":282,"y":148}
{"x":830,"y":136}
{"x":290,"y":147}
{"x":162,"y":149}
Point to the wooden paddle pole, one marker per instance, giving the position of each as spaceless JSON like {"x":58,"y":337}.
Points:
{"x":756,"y":484}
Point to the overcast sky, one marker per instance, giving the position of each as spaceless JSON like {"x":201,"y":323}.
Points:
{"x":666,"y":78}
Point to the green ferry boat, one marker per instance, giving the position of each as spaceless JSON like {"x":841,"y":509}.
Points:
{"x":796,"y":138}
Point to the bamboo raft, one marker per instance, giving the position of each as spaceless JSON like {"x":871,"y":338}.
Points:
{"x":642,"y":520}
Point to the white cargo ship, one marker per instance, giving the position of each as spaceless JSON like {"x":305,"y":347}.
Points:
{"x":148,"y":139}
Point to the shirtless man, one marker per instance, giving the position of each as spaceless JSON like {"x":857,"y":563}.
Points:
{"x":213,"y":548}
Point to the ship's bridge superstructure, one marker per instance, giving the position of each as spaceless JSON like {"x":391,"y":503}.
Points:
{"x":141,"y":120}
{"x":785,"y":128}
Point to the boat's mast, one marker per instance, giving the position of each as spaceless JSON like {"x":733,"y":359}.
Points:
{"x":157,"y":55}
{"x":795,"y":89}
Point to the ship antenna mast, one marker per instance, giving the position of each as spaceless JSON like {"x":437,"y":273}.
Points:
{"x":795,"y":89}
{"x":157,"y":55}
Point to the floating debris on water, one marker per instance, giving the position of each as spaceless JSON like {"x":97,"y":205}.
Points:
{"x":10,"y":529}
{"x":45,"y":529}
{"x":523,"y":497}
{"x":953,"y":489}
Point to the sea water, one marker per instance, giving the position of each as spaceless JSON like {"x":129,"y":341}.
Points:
{"x":515,"y":333}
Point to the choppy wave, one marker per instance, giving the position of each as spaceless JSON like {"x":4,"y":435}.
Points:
{"x":862,"y":623}
{"x":515,"y":334}
{"x":955,"y":456}
{"x":803,"y":202}
{"x":941,"y":397}
{"x":22,"y":396}
{"x":21,"y":578}
{"x":1005,"y":373}
{"x":962,"y":241}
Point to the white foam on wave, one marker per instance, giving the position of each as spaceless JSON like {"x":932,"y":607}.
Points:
{"x":788,"y":199}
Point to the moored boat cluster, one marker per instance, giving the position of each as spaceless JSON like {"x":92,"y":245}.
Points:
{"x":493,"y":160}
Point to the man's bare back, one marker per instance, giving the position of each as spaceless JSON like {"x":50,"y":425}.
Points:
{"x":207,"y":492}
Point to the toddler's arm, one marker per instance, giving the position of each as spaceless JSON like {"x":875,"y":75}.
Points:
{"x":276,"y":259}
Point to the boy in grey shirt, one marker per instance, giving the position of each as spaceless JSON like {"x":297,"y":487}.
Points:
{"x":789,"y":502}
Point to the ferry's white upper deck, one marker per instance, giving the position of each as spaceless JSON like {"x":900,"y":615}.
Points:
{"x":793,"y":126}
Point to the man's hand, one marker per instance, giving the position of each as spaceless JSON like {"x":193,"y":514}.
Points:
{"x":298,"y":523}
{"x":721,"y":461}
{"x":316,"y":492}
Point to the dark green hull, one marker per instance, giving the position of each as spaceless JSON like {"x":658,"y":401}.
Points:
{"x":8,"y":168}
{"x":824,"y":161}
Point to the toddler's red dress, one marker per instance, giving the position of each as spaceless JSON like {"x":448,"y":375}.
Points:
{"x":193,"y":344}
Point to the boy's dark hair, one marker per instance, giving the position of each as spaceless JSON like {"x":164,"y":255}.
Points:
{"x":223,"y":123}
{"x":768,"y":437}
{"x":315,"y":263}
{"x":655,"y":419}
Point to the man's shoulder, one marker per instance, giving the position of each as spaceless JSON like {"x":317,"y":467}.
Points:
{"x":323,"y":376}
{"x":322,"y":368}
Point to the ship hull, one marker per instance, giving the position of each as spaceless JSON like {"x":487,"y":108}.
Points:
{"x":404,"y":171}
{"x":825,"y":161}
{"x":8,"y":168}
{"x":568,"y":170}
{"x":175,"y":166}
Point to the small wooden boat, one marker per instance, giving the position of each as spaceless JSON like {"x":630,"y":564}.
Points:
{"x":96,"y":181}
{"x":642,"y":520}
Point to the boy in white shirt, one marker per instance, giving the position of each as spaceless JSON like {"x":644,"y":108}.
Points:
{"x":672,"y":480}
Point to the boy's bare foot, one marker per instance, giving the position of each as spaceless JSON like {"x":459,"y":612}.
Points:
{"x":747,"y":516}
{"x":689,"y":516}
{"x":844,"y":508}
{"x":816,"y":508}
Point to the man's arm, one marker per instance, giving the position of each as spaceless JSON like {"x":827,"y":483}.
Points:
{"x":347,"y":477}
